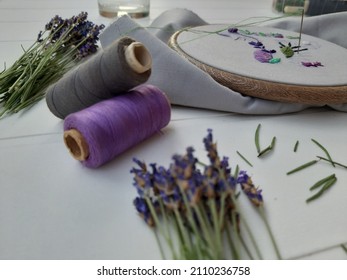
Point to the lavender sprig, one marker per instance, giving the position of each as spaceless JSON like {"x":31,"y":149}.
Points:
{"x":255,"y":196}
{"x":57,"y":49}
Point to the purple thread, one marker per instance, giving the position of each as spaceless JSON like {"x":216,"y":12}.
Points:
{"x":113,"y":126}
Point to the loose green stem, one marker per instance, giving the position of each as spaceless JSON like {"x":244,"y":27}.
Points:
{"x":326,"y":186}
{"x":333,"y":162}
{"x":296,"y":146}
{"x":322,"y":181}
{"x":256,"y":138}
{"x":269,"y":148}
{"x":236,"y":172}
{"x":246,"y":160}
{"x":301,"y":167}
{"x":324,"y":150}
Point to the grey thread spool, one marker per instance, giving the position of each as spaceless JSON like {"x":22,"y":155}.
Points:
{"x":118,"y":68}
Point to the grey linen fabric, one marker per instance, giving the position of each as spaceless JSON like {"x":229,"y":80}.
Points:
{"x":187,"y":85}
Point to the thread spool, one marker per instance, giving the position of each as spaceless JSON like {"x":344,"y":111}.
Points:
{"x":118,"y":68}
{"x":97,"y":134}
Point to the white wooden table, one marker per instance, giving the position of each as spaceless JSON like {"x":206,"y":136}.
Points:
{"x":51,"y":207}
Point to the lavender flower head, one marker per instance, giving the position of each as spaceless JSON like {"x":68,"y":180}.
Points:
{"x":312,"y":64}
{"x":211,"y":149}
{"x":143,"y":209}
{"x":142,"y":178}
{"x":253,"y":193}
{"x":75,"y":32}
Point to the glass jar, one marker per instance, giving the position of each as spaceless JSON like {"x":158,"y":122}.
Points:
{"x":116,"y":8}
{"x":290,"y":6}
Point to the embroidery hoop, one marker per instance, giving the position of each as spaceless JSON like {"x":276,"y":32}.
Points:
{"x":230,"y":61}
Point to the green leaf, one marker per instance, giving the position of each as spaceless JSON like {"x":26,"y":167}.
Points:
{"x":326,"y":186}
{"x":301,"y":167}
{"x":256,"y":138}
{"x":324,"y":150}
{"x":322,"y":181}
{"x":246,"y":160}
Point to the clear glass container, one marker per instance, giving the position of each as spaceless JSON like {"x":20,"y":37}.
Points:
{"x":116,"y":8}
{"x":290,"y":6}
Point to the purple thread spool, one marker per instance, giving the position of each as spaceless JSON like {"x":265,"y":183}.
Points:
{"x":99,"y":133}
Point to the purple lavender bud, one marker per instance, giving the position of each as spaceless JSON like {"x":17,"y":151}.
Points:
{"x":253,"y":193}
{"x":143,"y":209}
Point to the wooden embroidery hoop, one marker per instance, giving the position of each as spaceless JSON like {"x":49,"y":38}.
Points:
{"x":229,"y":60}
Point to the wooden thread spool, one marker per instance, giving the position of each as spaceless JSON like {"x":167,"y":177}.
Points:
{"x":138,"y":57}
{"x":76,"y":144}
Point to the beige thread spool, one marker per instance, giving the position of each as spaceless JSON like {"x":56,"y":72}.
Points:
{"x":76,"y":144}
{"x":138,"y":57}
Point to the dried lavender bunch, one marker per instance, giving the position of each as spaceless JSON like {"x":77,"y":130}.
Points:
{"x":201,"y":205}
{"x":57,"y":49}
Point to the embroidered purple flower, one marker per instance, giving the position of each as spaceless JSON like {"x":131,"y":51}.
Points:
{"x":261,"y":56}
{"x":312,"y":64}
{"x":233,"y":30}
{"x":259,"y":45}
{"x":277,"y":35}
{"x":256,"y":44}
{"x":264,"y":56}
